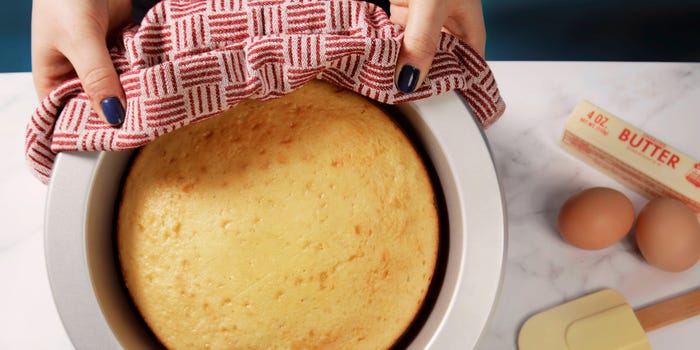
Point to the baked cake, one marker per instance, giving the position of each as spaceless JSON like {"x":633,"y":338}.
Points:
{"x":306,"y":221}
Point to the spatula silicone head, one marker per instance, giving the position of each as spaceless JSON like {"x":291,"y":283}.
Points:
{"x":598,"y":321}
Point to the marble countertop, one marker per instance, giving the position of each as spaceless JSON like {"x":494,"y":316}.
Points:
{"x":541,"y":270}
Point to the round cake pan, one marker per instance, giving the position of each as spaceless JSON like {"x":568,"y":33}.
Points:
{"x":97,"y":312}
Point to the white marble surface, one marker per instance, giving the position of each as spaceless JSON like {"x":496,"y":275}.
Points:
{"x":541,"y":270}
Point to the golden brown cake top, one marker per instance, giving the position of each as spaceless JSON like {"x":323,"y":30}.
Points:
{"x":306,"y":221}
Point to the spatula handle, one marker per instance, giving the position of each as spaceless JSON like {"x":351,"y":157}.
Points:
{"x":669,"y":311}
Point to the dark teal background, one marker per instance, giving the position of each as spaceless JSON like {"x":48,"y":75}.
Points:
{"x":608,"y":30}
{"x":15,"y":45}
{"x":618,"y":30}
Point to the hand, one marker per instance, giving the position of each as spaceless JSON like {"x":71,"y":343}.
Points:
{"x":424,"y":20}
{"x":69,"y":38}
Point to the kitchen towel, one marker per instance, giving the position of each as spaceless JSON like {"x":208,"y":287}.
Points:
{"x":188,"y":60}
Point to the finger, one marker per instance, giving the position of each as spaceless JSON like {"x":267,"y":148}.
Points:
{"x":468,"y":25}
{"x":423,"y":24}
{"x":49,"y":69}
{"x":399,"y":14}
{"x":99,"y":78}
{"x":49,"y":66}
{"x":401,"y":3}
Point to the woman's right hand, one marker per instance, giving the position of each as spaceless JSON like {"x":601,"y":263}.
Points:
{"x":424,"y":20}
{"x":69,"y":38}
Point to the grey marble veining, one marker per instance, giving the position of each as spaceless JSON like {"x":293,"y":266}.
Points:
{"x":538,"y":176}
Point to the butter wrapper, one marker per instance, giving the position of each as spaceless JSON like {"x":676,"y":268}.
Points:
{"x":632,"y":156}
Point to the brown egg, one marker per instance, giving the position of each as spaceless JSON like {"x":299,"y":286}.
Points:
{"x":668,"y":234}
{"x":596,"y":218}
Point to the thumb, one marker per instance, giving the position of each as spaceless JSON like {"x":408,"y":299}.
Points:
{"x":99,"y":78}
{"x":423,"y":25}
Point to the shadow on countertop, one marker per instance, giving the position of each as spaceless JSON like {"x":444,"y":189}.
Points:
{"x":599,"y":30}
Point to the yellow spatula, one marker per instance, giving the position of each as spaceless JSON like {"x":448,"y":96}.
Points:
{"x":601,"y":321}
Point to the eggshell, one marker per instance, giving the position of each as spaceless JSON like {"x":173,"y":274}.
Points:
{"x":596,"y":218}
{"x":668,"y":235}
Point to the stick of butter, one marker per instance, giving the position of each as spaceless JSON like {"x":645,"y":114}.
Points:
{"x":637,"y":159}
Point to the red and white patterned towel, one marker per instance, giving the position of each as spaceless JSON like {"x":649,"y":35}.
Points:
{"x":191,"y":59}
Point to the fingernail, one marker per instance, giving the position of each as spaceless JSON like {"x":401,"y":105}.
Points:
{"x":113,"y":110}
{"x":408,"y":78}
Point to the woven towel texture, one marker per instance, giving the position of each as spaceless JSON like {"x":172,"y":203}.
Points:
{"x":191,"y":59}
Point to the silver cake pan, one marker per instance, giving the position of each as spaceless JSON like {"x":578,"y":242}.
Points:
{"x":97,"y":312}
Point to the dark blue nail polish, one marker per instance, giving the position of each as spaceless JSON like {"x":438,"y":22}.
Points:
{"x":408,"y":78}
{"x":113,"y":110}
